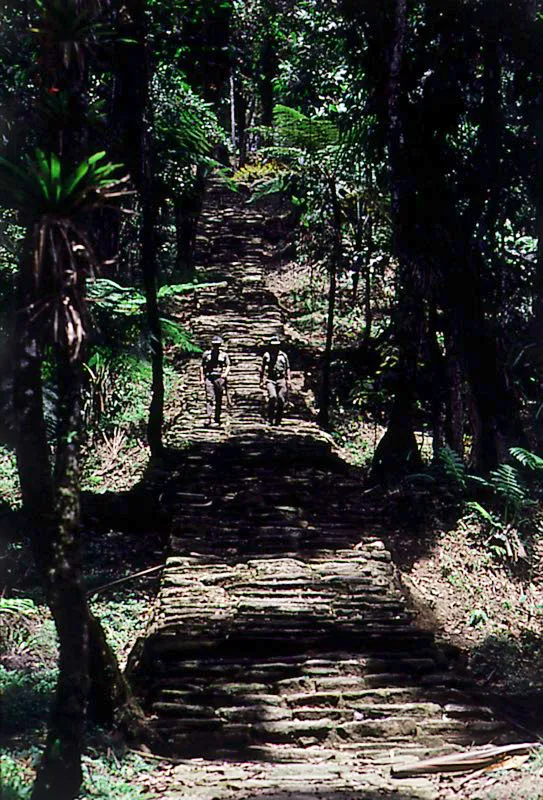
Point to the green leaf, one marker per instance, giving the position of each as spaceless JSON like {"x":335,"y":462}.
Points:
{"x":77,"y":176}
{"x":178,"y":336}
{"x":481,"y":511}
{"x":96,"y":157}
{"x":527,"y":458}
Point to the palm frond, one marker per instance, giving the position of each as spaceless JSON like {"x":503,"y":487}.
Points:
{"x":54,"y":199}
{"x":43,"y":186}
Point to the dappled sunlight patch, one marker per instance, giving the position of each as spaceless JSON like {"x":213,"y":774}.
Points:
{"x":111,"y":777}
{"x":10,"y":492}
{"x":115,"y":461}
{"x":357,"y":438}
{"x":124,"y":618}
{"x":27,"y":634}
{"x":26,"y":699}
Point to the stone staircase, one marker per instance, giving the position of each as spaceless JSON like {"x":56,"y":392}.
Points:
{"x":281,"y":633}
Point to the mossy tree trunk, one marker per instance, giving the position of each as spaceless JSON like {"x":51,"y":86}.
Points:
{"x":59,"y":773}
{"x":52,"y":522}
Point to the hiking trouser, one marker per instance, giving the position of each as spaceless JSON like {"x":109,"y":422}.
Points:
{"x":277,"y":395}
{"x":214,"y":395}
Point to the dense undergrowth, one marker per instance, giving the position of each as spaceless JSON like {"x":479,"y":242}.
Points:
{"x":114,"y":461}
{"x":28,"y":674}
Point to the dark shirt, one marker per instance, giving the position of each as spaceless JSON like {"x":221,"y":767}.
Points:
{"x":275,"y":368}
{"x":214,"y":363}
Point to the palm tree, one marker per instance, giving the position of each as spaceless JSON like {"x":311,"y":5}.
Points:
{"x":56,"y":192}
{"x":51,"y":313}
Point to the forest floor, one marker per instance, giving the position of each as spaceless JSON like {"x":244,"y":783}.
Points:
{"x":489,"y":613}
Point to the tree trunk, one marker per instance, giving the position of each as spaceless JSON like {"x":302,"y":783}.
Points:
{"x":33,"y":457}
{"x":59,"y":774}
{"x":437,"y":383}
{"x":52,"y":517}
{"x":324,"y":409}
{"x":148,"y":254}
{"x":454,"y":417}
{"x":132,"y":113}
{"x":233,"y":134}
{"x":245,"y":111}
{"x":538,"y":278}
{"x":495,"y":414}
{"x":538,"y":286}
{"x":187,"y":210}
{"x":268,"y":64}
{"x":397,"y":451}
{"x":368,"y":279}
{"x":368,"y":311}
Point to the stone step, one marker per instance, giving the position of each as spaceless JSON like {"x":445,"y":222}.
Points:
{"x":200,"y":734}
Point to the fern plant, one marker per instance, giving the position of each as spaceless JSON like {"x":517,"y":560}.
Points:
{"x":303,"y":149}
{"x":296,"y":130}
{"x":452,"y":468}
{"x":507,"y":484}
{"x":111,"y":297}
{"x":118,"y":302}
{"x":527,"y":459}
{"x":511,"y":498}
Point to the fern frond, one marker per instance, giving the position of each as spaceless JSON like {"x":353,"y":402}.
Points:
{"x":483,"y":513}
{"x":526,"y":458}
{"x":506,"y":482}
{"x":453,"y":467}
{"x":298,"y":130}
{"x":479,"y":481}
{"x":114,"y":298}
{"x":178,"y":336}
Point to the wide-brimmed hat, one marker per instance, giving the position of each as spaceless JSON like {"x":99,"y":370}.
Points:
{"x":275,"y":340}
{"x":216,"y":340}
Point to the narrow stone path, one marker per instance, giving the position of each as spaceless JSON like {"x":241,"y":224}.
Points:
{"x":282,"y":660}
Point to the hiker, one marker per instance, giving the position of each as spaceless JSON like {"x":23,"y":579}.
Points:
{"x":275,"y":378}
{"x":214,"y":373}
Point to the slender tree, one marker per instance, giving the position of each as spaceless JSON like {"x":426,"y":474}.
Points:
{"x":133,"y":119}
{"x":334,"y":266}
